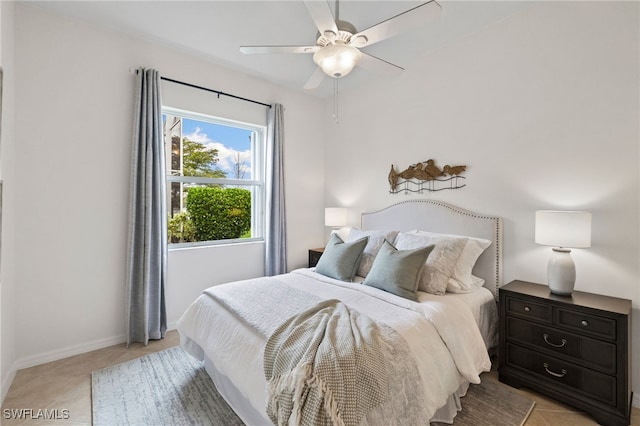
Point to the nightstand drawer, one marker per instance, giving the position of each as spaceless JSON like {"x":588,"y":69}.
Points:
{"x":526,"y":309}
{"x":586,"y":324}
{"x":590,"y":383}
{"x":580,"y":349}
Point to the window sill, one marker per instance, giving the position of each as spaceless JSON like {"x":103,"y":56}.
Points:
{"x":210,"y":244}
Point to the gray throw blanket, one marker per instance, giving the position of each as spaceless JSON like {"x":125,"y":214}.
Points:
{"x":325,"y":366}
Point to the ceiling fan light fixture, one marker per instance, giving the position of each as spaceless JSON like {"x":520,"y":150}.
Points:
{"x":337,"y":60}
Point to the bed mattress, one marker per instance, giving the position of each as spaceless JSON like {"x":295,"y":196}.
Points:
{"x":237,"y":370}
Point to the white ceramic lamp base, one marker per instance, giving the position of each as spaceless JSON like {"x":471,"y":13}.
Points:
{"x":561,"y":272}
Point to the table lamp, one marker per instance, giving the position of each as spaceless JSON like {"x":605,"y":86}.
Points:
{"x":335,"y":217}
{"x":563,"y":230}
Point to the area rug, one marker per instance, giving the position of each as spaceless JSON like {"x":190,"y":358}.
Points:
{"x":164,"y":388}
{"x":492,"y":403}
{"x":172,"y":388}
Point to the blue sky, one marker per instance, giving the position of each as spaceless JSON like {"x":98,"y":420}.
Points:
{"x":229,"y":141}
{"x":232,"y":137}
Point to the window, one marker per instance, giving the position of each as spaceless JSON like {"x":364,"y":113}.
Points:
{"x":215,"y":179}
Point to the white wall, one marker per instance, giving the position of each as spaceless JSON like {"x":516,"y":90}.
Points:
{"x":7,"y":173}
{"x":74,"y":103}
{"x":543,"y":108}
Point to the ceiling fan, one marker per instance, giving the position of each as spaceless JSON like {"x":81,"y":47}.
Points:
{"x":337,"y":49}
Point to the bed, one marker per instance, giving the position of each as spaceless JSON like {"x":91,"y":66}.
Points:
{"x":445,"y":338}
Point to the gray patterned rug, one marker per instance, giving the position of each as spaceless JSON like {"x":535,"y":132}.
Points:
{"x":492,"y":403}
{"x":172,"y":388}
{"x":164,"y":388}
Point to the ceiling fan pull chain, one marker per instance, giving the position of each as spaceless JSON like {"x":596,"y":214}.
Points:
{"x":335,"y":100}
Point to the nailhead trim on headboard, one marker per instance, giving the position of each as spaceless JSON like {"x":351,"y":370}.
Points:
{"x":497,"y":247}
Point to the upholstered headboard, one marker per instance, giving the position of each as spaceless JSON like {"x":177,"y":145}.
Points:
{"x":436,"y":216}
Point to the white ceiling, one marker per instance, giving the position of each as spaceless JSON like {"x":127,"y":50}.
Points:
{"x":215,"y":30}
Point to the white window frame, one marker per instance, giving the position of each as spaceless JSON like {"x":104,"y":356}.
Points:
{"x":256,"y":185}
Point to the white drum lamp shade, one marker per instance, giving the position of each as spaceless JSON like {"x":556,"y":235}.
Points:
{"x":563,"y":230}
{"x":335,"y":217}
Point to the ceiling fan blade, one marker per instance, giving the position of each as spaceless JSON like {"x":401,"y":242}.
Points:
{"x":252,"y":50}
{"x":378,"y":66}
{"x":315,"y":79}
{"x":321,"y":14}
{"x":405,"y":21}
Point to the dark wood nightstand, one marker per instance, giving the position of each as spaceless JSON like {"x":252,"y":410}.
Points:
{"x":314,"y":256}
{"x":575,"y":348}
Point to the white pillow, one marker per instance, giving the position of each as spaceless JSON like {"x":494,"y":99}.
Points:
{"x":440,"y":263}
{"x":376,"y":239}
{"x":454,"y":286}
{"x":462,"y":273}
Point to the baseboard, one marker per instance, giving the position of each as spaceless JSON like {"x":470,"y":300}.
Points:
{"x":635,"y":401}
{"x":6,"y":382}
{"x":57,"y":354}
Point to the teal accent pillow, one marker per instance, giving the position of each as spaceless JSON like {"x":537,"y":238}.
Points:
{"x":397,"y":271}
{"x":340,"y":260}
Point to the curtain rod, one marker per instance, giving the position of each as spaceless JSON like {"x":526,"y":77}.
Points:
{"x":217,"y":92}
{"x":214,"y":91}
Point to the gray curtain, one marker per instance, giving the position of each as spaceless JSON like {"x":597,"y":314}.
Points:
{"x":147,"y":246}
{"x":276,"y":232}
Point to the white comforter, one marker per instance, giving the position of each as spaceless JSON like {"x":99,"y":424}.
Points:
{"x":442,"y":336}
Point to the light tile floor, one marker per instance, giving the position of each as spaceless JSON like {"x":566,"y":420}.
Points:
{"x":66,"y":385}
{"x":549,"y":412}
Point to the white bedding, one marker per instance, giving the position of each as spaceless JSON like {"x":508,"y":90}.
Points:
{"x":441,"y":331}
{"x":482,"y":304}
{"x":483,"y":309}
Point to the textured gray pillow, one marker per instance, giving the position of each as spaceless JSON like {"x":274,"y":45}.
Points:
{"x":376,"y":239}
{"x":340,"y":260}
{"x":397,"y":271}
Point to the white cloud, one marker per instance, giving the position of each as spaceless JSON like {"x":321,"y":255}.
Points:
{"x":226,"y":156}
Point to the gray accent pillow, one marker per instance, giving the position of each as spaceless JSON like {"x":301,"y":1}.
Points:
{"x":340,"y":260}
{"x":397,"y":271}
{"x":376,"y":239}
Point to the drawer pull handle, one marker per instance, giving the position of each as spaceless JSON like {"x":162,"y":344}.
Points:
{"x":527,"y":309}
{"x":555,"y":345}
{"x":584,"y":323}
{"x":554,"y":374}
